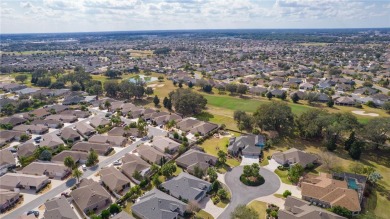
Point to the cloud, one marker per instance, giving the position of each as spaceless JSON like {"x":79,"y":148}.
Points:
{"x":26,"y":5}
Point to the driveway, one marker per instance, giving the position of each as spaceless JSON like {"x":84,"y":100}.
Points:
{"x":207,"y":205}
{"x":242,"y":194}
{"x":249,"y":160}
{"x":272,"y":165}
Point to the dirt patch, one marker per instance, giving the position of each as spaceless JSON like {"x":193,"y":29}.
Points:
{"x":363,"y":113}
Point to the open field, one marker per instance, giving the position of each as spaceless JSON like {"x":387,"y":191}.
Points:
{"x":259,"y":207}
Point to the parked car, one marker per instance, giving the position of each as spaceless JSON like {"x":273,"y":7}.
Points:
{"x":38,"y":139}
{"x":84,"y":167}
{"x":65,"y":194}
{"x":117,"y":162}
{"x":36,"y":213}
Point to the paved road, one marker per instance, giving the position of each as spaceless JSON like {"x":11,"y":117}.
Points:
{"x":61,"y":188}
{"x":242,"y":194}
{"x":384,"y":90}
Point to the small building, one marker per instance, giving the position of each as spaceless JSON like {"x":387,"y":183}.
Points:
{"x":246,"y":145}
{"x":101,"y":149}
{"x":115,"y":141}
{"x":32,"y":129}
{"x":59,"y":208}
{"x":132,"y":164}
{"x":114,"y":180}
{"x":294,"y":156}
{"x":157,"y":204}
{"x":84,"y":129}
{"x":165,"y":145}
{"x":90,"y":196}
{"x":13,"y":121}
{"x":26,"y":149}
{"x":51,"y":141}
{"x":152,"y":155}
{"x":51,"y":170}
{"x":78,"y":156}
{"x":70,"y":135}
{"x":186,"y":187}
{"x":8,"y":199}
{"x":11,"y":181}
{"x":193,"y":158}
{"x":7,"y":161}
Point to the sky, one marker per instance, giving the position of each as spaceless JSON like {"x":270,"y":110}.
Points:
{"x":46,"y":16}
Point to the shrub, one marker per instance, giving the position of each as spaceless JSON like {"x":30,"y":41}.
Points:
{"x":286,"y":193}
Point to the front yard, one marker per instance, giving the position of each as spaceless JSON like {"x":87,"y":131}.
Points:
{"x":259,"y":207}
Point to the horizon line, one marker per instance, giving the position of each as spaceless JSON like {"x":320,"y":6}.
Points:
{"x":210,"y":29}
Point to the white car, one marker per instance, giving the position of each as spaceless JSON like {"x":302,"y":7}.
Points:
{"x":117,"y":162}
{"x":84,"y":167}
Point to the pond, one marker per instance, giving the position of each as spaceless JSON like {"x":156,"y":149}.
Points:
{"x":143,"y":78}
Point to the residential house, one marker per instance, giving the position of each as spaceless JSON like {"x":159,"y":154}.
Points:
{"x":151,"y":155}
{"x":122,"y":131}
{"x":165,"y":145}
{"x":187,"y":124}
{"x":115,"y":141}
{"x":77,"y":113}
{"x":48,"y":122}
{"x":8,"y":199}
{"x":73,"y":99}
{"x":294,"y":156}
{"x":13,"y":121}
{"x":11,"y":181}
{"x":51,"y":170}
{"x":345,"y":101}
{"x":131,"y":164}
{"x":306,"y":86}
{"x":7,"y":136}
{"x":99,"y":121}
{"x":156,"y":204}
{"x":114,"y":180}
{"x":62,"y":118}
{"x":246,"y":145}
{"x":203,"y":128}
{"x":70,"y":135}
{"x":162,"y":120}
{"x":84,"y":129}
{"x":32,"y":129}
{"x":193,"y":158}
{"x":101,"y":149}
{"x":255,"y":90}
{"x":26,"y":149}
{"x":59,"y":208}
{"x":122,"y":215}
{"x":27,"y":91}
{"x":78,"y":156}
{"x":324,"y":191}
{"x":7,"y":161}
{"x":52,"y":141}
{"x":40,"y":113}
{"x":90,"y":196}
{"x":295,"y":208}
{"x":186,"y":187}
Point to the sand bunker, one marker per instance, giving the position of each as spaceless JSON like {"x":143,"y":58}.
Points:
{"x":363,"y":113}
{"x":152,"y":85}
{"x":161,"y":85}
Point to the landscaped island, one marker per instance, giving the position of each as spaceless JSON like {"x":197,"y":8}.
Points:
{"x":251,"y":175}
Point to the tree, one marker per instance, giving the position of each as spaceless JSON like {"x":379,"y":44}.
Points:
{"x":168,"y":169}
{"x":295,"y":98}
{"x":356,"y":167}
{"x":187,"y":102}
{"x":105,"y":214}
{"x":45,"y":155}
{"x":356,"y":150}
{"x":342,"y":211}
{"x":269,"y":95}
{"x":232,"y":88}
{"x":386,"y":106}
{"x":190,"y":84}
{"x":69,"y":162}
{"x":115,"y":208}
{"x":111,"y":88}
{"x":193,"y":207}
{"x":8,"y":109}
{"x":283,"y":96}
{"x":376,"y":131}
{"x":348,"y":143}
{"x":330,"y":143}
{"x":156,"y":101}
{"x":156,"y":181}
{"x":286,"y":193}
{"x":242,"y":89}
{"x":24,"y":137}
{"x":180,"y":85}
{"x":244,"y":212}
{"x":244,"y":121}
{"x":311,"y":123}
{"x":207,"y":88}
{"x":212,"y":173}
{"x":222,"y":157}
{"x":222,"y":193}
{"x":77,"y":174}
{"x":165,"y":101}
{"x":275,"y":116}
{"x":330,"y":103}
{"x":76,"y":86}
{"x":137,"y":175}
{"x":95,"y":89}
{"x":149,"y":91}
{"x":198,"y":172}
{"x":112,"y":73}
{"x":295,"y":172}
{"x":107,"y":105}
{"x":92,"y":158}
{"x":374,"y":177}
{"x":22,"y":78}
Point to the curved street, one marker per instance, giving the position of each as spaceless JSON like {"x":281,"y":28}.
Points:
{"x":242,"y":194}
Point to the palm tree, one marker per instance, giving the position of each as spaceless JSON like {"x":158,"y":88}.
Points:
{"x":69,"y":162}
{"x":77,"y":174}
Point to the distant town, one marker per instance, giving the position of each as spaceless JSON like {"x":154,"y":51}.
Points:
{"x":288,"y":124}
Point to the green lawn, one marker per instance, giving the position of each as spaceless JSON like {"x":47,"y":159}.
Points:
{"x":205,"y":215}
{"x":259,"y":207}
{"x":213,"y":145}
{"x":283,"y":176}
{"x":128,"y":208}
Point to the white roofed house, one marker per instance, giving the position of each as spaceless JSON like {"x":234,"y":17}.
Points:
{"x":7,"y":161}
{"x":165,"y":145}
